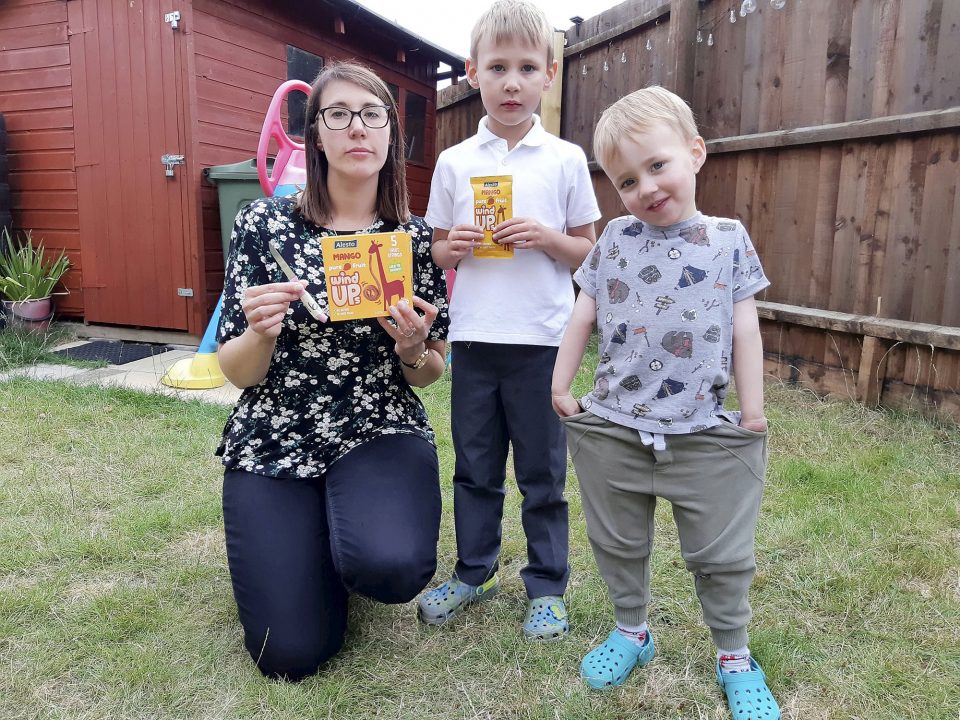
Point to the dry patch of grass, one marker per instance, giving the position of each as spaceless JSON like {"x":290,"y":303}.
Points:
{"x":198,"y":546}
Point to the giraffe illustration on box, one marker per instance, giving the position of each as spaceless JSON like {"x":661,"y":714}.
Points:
{"x":388,"y":288}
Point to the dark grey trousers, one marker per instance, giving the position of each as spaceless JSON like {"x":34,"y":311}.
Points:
{"x":714,"y":482}
{"x":500,"y":396}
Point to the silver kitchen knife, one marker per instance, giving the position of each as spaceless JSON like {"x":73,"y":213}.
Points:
{"x":307,"y":299}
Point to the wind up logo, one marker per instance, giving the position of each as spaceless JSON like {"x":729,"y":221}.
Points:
{"x":485,"y":213}
{"x":345,"y":289}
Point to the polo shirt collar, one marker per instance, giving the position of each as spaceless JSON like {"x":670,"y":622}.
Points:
{"x":535,"y":136}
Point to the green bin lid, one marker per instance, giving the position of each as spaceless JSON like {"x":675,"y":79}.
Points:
{"x":244,"y":170}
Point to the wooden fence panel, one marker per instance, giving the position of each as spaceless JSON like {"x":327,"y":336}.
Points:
{"x":459,"y":110}
{"x":841,"y":227}
{"x":941,"y":189}
{"x":824,"y":62}
{"x":594,"y":78}
{"x":833,"y":131}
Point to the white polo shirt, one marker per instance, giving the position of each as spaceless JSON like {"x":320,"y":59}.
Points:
{"x":526,"y":299}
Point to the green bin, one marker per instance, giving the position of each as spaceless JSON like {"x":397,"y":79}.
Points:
{"x":237,"y":185}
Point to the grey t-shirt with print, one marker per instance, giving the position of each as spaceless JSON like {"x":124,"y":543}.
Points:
{"x":665,"y":300}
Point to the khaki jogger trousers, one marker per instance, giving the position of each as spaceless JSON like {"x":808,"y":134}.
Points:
{"x":714,"y":482}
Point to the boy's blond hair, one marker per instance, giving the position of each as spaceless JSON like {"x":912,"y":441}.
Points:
{"x":638,"y":112}
{"x":508,"y":20}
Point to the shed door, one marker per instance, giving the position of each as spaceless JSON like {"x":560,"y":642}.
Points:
{"x":129,"y":111}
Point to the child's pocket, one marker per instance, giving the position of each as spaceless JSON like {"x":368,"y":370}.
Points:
{"x":748,"y":446}
{"x":584,"y":417}
{"x":746,"y":431}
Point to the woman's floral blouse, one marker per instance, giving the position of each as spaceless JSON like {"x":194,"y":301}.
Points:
{"x":331,"y":386}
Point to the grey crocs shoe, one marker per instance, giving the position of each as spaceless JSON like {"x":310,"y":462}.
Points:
{"x":546,"y":619}
{"x":448,"y":600}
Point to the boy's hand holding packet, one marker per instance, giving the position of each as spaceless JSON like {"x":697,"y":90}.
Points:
{"x":495,"y":232}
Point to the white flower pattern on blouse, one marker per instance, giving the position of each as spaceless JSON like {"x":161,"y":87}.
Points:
{"x":331,"y":386}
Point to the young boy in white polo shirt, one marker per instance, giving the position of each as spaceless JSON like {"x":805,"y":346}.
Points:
{"x":508,"y":316}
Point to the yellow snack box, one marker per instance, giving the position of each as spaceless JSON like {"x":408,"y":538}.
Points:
{"x":367,"y":273}
{"x":492,"y":204}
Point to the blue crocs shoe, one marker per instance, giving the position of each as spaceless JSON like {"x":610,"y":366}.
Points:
{"x":609,"y":665}
{"x":546,"y":619}
{"x":445,"y":602}
{"x":747,"y":693}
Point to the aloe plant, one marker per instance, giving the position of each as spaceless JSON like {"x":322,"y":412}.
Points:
{"x":25,"y":274}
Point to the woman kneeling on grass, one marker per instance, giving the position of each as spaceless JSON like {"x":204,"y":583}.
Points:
{"x":331,"y":484}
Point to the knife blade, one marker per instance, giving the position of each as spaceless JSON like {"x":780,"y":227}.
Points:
{"x":312,"y":306}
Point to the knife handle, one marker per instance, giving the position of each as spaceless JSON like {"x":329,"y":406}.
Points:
{"x":313,"y":307}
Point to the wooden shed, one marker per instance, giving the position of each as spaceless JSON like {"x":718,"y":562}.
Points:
{"x":94,"y":92}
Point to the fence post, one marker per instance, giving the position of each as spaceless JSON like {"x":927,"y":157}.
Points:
{"x":550,"y":104}
{"x":681,"y":62}
{"x":872,"y":370}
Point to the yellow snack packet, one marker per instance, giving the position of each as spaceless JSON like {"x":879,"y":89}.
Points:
{"x":492,"y":204}
{"x":367,"y":273}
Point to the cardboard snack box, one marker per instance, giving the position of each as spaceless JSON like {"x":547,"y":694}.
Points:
{"x":367,"y":273}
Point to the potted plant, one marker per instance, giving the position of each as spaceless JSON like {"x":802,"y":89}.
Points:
{"x":27,"y":279}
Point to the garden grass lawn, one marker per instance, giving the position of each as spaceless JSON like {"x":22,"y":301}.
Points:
{"x":19,"y":348}
{"x":115,"y":600}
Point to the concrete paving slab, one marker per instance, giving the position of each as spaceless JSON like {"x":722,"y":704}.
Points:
{"x":44,"y":371}
{"x":143,"y":375}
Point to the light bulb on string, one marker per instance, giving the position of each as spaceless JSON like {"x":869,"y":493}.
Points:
{"x":699,"y":36}
{"x":649,"y":44}
{"x":710,"y":40}
{"x":778,"y":4}
{"x":733,"y":16}
{"x":623,"y":57}
{"x":748,"y":6}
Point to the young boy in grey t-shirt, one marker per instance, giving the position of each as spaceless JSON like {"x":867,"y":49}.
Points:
{"x":671,"y":293}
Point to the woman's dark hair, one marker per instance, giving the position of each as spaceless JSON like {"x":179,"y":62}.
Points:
{"x":393,"y":201}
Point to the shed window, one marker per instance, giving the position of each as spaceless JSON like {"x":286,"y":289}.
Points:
{"x":301,"y":65}
{"x":414,"y":125}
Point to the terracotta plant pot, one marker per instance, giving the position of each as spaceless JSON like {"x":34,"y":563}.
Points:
{"x":29,"y":315}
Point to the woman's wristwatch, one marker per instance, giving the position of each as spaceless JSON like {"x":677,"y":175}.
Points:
{"x":419,"y":362}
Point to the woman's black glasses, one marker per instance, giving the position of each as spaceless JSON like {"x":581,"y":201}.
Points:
{"x":339,"y":118}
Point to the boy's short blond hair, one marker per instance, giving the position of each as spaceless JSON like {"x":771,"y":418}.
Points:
{"x":638,"y":112}
{"x":508,"y":20}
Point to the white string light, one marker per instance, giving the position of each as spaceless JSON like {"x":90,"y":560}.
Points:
{"x":746,"y":8}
